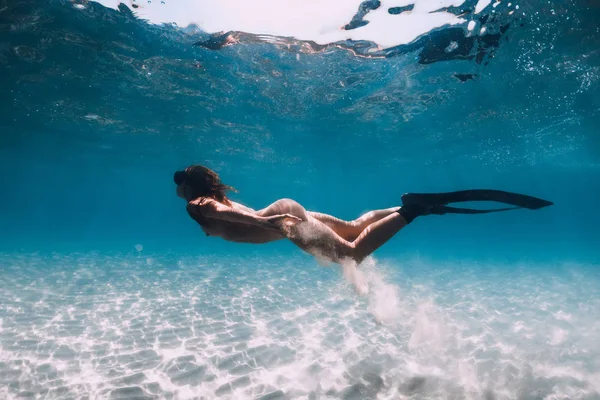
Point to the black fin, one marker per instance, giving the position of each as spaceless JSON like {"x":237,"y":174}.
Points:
{"x":455,"y":210}
{"x":515,"y":199}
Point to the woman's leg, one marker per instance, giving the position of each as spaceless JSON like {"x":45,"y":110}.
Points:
{"x":350,"y":230}
{"x":320,"y":240}
{"x":376,"y":234}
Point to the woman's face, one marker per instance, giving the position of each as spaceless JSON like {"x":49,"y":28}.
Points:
{"x":182,"y":191}
{"x":182,"y":187}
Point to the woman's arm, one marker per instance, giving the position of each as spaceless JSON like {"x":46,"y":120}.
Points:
{"x":210,"y":208}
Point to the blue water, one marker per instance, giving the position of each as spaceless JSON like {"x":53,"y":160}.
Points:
{"x":109,"y":290}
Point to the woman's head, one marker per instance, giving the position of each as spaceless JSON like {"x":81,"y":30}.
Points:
{"x":198,"y":181}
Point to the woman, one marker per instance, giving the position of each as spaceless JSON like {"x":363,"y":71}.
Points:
{"x":321,"y":235}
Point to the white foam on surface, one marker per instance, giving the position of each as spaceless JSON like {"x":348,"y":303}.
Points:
{"x":101,"y":327}
{"x":310,"y":20}
{"x":481,"y":5}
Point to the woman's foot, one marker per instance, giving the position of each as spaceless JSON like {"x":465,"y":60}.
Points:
{"x":411,"y":211}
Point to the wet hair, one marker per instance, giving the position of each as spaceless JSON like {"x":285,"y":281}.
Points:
{"x":203,"y":182}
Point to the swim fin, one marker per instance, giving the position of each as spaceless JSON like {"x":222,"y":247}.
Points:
{"x":441,"y":199}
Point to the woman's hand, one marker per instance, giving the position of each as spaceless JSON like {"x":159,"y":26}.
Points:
{"x":277,"y":221}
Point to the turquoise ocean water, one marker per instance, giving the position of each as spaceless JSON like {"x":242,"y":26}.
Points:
{"x":109,"y":290}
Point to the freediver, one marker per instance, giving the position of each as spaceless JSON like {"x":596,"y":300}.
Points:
{"x":321,"y":235}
